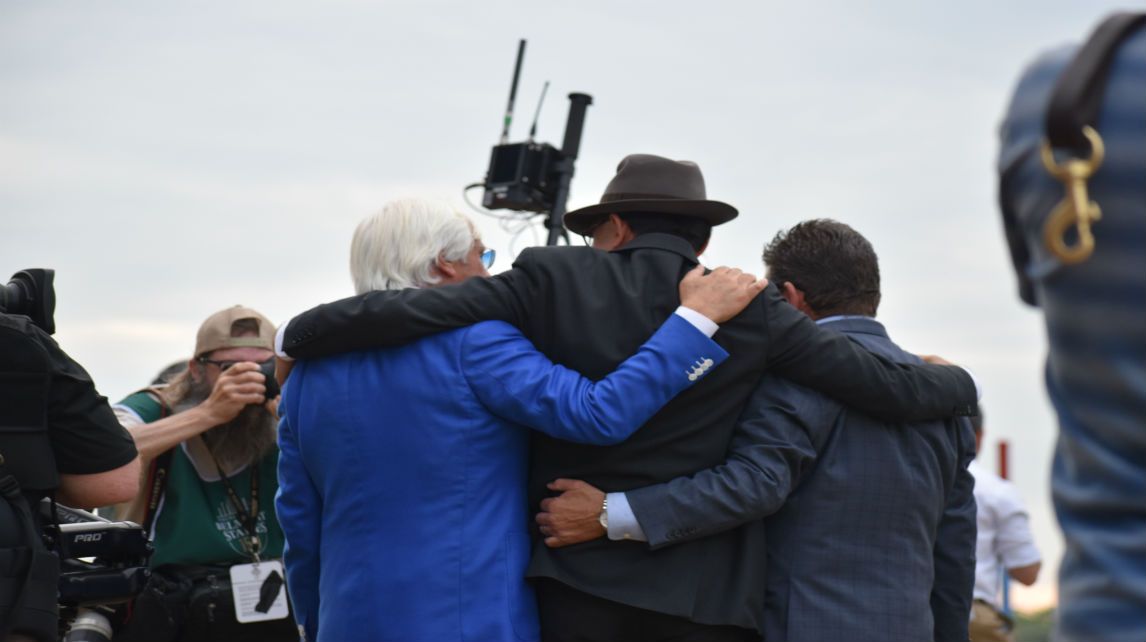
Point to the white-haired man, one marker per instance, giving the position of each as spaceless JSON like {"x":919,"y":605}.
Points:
{"x":402,"y":471}
{"x":415,"y":243}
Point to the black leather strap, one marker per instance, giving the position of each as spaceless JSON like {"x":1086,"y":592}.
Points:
{"x":1078,"y":93}
{"x":10,"y":492}
{"x":158,"y":470}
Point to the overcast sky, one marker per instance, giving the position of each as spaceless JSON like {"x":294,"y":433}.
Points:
{"x":170,"y":160}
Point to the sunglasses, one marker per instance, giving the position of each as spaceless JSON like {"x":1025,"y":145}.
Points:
{"x":487,"y":258}
{"x":587,"y":235}
{"x":223,"y":365}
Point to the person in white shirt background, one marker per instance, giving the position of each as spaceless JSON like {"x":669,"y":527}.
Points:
{"x":1004,"y":544}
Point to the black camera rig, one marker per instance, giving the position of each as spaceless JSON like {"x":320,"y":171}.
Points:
{"x":102,"y":564}
{"x":31,"y":293}
{"x":119,"y":552}
{"x":533,"y":176}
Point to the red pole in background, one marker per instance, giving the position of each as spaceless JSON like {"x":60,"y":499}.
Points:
{"x":1003,"y":459}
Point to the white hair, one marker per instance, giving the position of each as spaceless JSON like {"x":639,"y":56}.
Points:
{"x":397,"y":247}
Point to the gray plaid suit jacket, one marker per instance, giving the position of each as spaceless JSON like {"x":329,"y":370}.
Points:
{"x":873,"y":531}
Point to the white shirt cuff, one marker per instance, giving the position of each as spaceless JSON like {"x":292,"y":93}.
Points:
{"x":279,"y":334}
{"x":623,"y":523}
{"x":700,"y":322}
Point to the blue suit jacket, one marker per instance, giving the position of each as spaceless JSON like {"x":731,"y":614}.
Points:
{"x":875,"y":534}
{"x":402,"y":475}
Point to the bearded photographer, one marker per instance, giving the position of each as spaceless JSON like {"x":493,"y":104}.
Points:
{"x":58,"y":437}
{"x":207,"y":441}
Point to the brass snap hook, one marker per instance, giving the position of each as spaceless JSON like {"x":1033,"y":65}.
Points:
{"x":1076,"y":209}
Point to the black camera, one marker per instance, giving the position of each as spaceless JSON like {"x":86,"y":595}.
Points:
{"x":102,"y":563}
{"x":522,"y":176}
{"x":119,"y":552}
{"x":31,"y":293}
{"x":268,"y":370}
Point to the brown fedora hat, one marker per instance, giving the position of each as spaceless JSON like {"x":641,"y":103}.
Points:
{"x":647,"y":183}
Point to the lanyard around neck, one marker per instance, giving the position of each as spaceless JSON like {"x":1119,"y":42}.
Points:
{"x":248,"y":519}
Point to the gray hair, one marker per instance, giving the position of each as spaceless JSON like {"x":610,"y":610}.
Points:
{"x":397,"y":247}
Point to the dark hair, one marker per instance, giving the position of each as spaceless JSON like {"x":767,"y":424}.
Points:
{"x":832,"y":264}
{"x":693,"y":230}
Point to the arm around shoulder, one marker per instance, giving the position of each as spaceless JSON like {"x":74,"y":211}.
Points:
{"x":515,"y":381}
{"x":831,"y":363}
{"x":386,"y":318}
{"x":776,"y":440}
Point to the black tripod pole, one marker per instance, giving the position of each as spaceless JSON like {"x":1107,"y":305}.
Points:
{"x":578,"y":104}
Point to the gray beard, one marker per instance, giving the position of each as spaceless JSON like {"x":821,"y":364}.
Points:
{"x":240,"y":442}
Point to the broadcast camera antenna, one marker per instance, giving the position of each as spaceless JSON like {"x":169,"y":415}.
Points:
{"x":531,"y":177}
{"x":537,"y":114}
{"x":513,"y":92}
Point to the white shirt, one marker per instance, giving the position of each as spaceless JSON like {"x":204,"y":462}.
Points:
{"x":1004,"y":540}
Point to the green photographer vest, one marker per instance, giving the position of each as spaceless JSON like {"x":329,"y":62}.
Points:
{"x":195,"y":521}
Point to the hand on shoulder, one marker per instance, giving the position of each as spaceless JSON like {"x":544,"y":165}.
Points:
{"x":720,"y":294}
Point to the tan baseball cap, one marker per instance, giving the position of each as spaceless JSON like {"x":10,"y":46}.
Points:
{"x":219,"y":331}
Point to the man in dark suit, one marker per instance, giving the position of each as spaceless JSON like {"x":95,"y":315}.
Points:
{"x":589,"y":309}
{"x":876,"y":541}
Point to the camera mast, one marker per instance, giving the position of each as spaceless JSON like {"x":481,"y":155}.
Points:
{"x":533,"y":176}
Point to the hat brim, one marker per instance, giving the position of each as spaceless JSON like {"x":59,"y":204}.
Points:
{"x":580,"y":221}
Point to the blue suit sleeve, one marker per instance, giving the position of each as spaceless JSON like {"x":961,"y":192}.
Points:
{"x":299,"y":509}
{"x":954,"y":555}
{"x":777,"y":439}
{"x":518,"y":383}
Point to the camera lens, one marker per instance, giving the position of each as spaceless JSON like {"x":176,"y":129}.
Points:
{"x":12,"y":297}
{"x":89,"y":626}
{"x":31,"y":293}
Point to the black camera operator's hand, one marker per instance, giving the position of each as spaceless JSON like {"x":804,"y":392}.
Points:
{"x":238,"y":386}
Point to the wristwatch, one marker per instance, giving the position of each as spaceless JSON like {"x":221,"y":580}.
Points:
{"x":604,"y":516}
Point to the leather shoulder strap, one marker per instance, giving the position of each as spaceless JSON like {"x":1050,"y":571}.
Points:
{"x":157,"y":471}
{"x":10,"y":493}
{"x":1078,"y":94}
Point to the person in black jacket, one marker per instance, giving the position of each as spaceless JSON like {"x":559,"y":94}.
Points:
{"x":870,"y":525}
{"x":588,"y":309}
{"x":58,"y":437}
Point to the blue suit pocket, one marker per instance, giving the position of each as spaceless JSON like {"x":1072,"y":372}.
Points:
{"x":521,"y":602}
